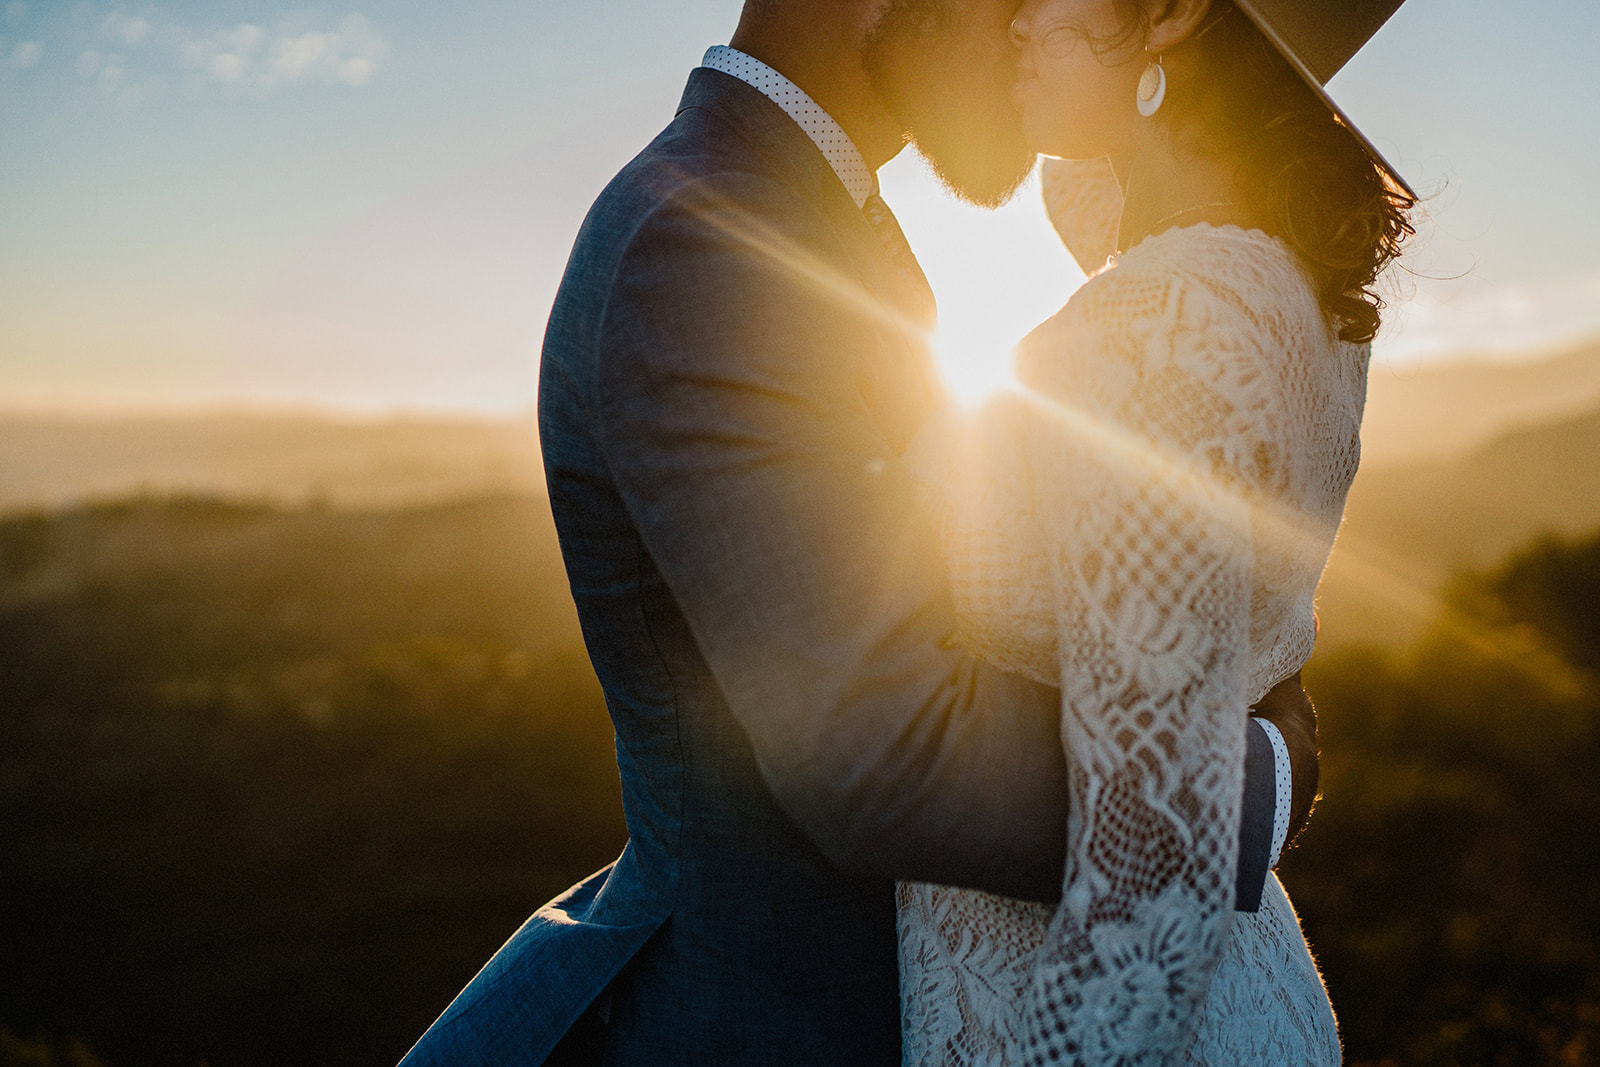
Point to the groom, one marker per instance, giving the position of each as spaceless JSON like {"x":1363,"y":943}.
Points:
{"x":734,"y":363}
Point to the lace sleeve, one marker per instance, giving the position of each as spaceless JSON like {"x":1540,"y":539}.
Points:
{"x":1146,"y":440}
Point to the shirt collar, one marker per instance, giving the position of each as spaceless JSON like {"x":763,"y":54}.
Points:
{"x":829,"y":137}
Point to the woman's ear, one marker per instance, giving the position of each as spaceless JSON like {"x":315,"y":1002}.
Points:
{"x":1174,"y":21}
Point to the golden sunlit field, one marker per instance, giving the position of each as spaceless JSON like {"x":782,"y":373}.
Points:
{"x":275,"y":781}
{"x":283,"y":759}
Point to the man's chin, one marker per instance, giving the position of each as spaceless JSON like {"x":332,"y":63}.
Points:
{"x":947,"y":78}
{"x":987,"y":178}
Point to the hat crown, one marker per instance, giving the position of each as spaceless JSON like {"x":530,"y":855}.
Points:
{"x":1321,"y":35}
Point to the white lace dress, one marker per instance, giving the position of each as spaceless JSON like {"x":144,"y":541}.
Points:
{"x":1143,"y":523}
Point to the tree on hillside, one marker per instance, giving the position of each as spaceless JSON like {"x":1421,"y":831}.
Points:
{"x":1552,"y":586}
{"x":1456,"y":854}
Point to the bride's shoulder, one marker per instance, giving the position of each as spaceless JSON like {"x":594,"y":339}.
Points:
{"x":1217,"y":265}
{"x":1192,"y":286}
{"x":1220,"y":305}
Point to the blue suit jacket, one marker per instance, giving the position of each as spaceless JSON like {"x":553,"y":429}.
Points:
{"x":731,"y":369}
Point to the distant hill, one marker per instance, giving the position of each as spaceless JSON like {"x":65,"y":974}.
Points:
{"x":1462,"y":462}
{"x":1408,"y":528}
{"x":1430,"y":413}
{"x":287,"y":459}
{"x":1444,"y":410}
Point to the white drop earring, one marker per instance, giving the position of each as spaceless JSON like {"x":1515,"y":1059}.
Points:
{"x":1152,"y":88}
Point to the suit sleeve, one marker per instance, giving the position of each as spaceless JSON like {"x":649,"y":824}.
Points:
{"x":733,"y":351}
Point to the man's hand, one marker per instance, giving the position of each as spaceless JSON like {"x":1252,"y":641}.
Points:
{"x":1288,"y":708}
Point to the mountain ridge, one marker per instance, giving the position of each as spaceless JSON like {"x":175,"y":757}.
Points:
{"x":1445,"y":410}
{"x":284,"y":458}
{"x":1410,"y":527}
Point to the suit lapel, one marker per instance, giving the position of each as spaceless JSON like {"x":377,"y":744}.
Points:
{"x":901,"y":384}
{"x":897,"y":376}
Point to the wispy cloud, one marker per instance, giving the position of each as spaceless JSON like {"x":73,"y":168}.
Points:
{"x":131,"y":58}
{"x":126,"y":29}
{"x":1449,"y":317}
{"x":250,"y":56}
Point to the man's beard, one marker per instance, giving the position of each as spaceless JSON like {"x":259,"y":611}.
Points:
{"x":921,"y":61}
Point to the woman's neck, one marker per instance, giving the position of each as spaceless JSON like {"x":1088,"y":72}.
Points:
{"x":1163,"y":187}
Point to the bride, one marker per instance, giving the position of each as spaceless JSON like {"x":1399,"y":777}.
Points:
{"x":1144,"y":520}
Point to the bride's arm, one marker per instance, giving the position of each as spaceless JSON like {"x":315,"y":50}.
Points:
{"x":1141,"y":455}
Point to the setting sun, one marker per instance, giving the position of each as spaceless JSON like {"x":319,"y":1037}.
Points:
{"x":997,"y":274}
{"x":974,"y":364}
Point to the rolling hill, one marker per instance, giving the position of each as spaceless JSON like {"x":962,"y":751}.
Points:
{"x":1444,"y":410}
{"x":275,"y":782}
{"x":287,"y":459}
{"x":277,"y":779}
{"x":1409,"y":527}
{"x":1462,"y":461}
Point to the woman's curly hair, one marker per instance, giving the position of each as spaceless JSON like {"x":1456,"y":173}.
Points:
{"x":1307,"y":176}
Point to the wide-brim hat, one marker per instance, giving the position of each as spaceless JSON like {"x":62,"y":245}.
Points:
{"x":1318,"y":37}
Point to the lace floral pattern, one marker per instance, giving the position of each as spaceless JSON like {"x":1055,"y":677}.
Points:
{"x":1144,"y":525}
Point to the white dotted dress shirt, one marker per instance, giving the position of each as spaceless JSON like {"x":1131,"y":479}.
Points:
{"x":837,"y":148}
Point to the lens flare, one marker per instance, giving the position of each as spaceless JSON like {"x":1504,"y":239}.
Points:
{"x":974,"y":363}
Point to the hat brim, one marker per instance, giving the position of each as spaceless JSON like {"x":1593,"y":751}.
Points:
{"x":1287,"y":51}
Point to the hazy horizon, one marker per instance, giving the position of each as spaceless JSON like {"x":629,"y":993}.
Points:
{"x":1387,"y":372}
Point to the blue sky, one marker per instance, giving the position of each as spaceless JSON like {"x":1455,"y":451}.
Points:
{"x":367,"y":206}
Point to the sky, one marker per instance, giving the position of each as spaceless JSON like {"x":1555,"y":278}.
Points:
{"x":366,"y":207}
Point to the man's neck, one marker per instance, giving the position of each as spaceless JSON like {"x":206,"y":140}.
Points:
{"x":817,"y":46}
